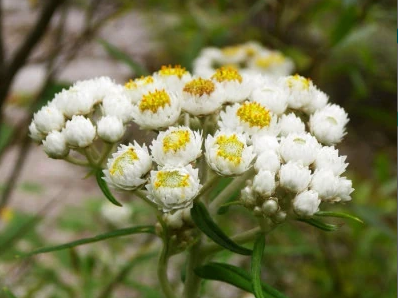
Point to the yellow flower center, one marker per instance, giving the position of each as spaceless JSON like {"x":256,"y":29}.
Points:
{"x":254,"y":114}
{"x":176,"y":140}
{"x":199,"y":87}
{"x":298,"y":81}
{"x":230,"y":148}
{"x":126,"y":158}
{"x":231,"y":51}
{"x":272,"y":59}
{"x":142,"y":81}
{"x":227,"y":74}
{"x":177,"y":70}
{"x":152,"y":101}
{"x":171,"y":179}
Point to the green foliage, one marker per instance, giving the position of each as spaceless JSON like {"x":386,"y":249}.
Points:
{"x":105,"y":189}
{"x":319,"y":224}
{"x":256,"y":263}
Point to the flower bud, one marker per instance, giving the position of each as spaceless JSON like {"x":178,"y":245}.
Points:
{"x":110,"y":129}
{"x":79,"y":132}
{"x":306,"y":203}
{"x":270,"y":207}
{"x":55,"y":145}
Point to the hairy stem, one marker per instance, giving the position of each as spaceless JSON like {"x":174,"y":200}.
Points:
{"x":162,"y":272}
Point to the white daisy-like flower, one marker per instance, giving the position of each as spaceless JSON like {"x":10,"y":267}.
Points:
{"x":271,"y":63}
{"x":118,"y":216}
{"x":264,"y":183}
{"x":79,"y":132}
{"x":294,"y":176}
{"x":306,"y":203}
{"x":300,"y":90}
{"x":202,"y":97}
{"x":35,"y":134}
{"x":128,"y":166}
{"x":48,"y":118}
{"x":299,"y":148}
{"x":175,"y":77}
{"x":328,"y":124}
{"x":326,"y":184}
{"x":249,"y":117}
{"x":55,"y":145}
{"x":236,"y":88}
{"x":74,"y":101}
{"x":118,"y":105}
{"x":203,"y":65}
{"x":157,"y":109}
{"x":232,"y":55}
{"x":178,"y":146}
{"x":97,"y":88}
{"x":290,"y":124}
{"x":173,"y":187}
{"x":263,"y":143}
{"x":268,"y":160}
{"x":345,"y":189}
{"x":228,"y":154}
{"x":271,"y":96}
{"x":318,"y":101}
{"x":135,"y":89}
{"x":328,"y":158}
{"x":110,"y":129}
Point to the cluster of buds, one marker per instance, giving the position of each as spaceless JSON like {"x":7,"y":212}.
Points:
{"x":249,"y":58}
{"x":283,"y":130}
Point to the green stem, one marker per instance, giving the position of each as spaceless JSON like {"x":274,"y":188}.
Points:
{"x":104,"y":154}
{"x":87,"y":152}
{"x":142,"y":194}
{"x":162,"y":272}
{"x":192,"y":281}
{"x":76,"y":161}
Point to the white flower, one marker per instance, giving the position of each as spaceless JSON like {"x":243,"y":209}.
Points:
{"x":345,"y":189}
{"x":270,"y":96}
{"x":235,"y":87}
{"x":294,"y":177}
{"x":318,"y":101}
{"x":135,"y":89}
{"x":34,"y":133}
{"x":157,"y":109}
{"x":74,"y":101}
{"x":263,"y":143}
{"x":128,"y":166}
{"x":55,"y":145}
{"x":118,"y":216}
{"x":301,"y":90}
{"x":249,"y":117}
{"x":328,"y":124}
{"x":268,"y":160}
{"x":202,"y":97}
{"x":117,"y":104}
{"x":49,"y":118}
{"x":177,"y":146}
{"x":174,"y":77}
{"x":110,"y":129}
{"x":290,"y":124}
{"x":326,"y":184}
{"x":228,"y":154}
{"x":306,"y":203}
{"x":97,"y":88}
{"x":299,"y":148}
{"x":234,"y":54}
{"x":79,"y":132}
{"x":173,"y":187}
{"x":264,"y":183}
{"x":328,"y":158}
{"x":272,"y":63}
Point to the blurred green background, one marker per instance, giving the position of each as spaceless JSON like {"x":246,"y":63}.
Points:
{"x":347,"y":47}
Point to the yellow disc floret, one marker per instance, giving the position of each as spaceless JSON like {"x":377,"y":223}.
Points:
{"x":298,"y":81}
{"x":272,"y":59}
{"x":122,"y":161}
{"x":142,"y":81}
{"x":227,"y":74}
{"x":169,"y":70}
{"x":199,"y":87}
{"x":171,"y":179}
{"x":176,"y":140}
{"x":152,"y":101}
{"x":254,"y":114}
{"x":230,"y":148}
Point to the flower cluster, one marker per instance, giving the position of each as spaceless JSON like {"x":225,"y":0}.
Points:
{"x":250,"y":58}
{"x":280,"y":132}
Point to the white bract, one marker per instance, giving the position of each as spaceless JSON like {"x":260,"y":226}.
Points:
{"x":34,"y":133}
{"x":264,"y":183}
{"x":128,"y":166}
{"x":55,"y":145}
{"x":270,"y":96}
{"x":306,"y":203}
{"x":328,"y":158}
{"x":110,"y":129}
{"x":74,"y":101}
{"x":173,"y":187}
{"x":290,"y":124}
{"x":118,"y":105}
{"x":294,"y":177}
{"x":326,"y":184}
{"x":299,"y":148}
{"x":268,"y":160}
{"x":79,"y":132}
{"x":263,"y":143}
{"x":177,"y":146}
{"x":49,"y":118}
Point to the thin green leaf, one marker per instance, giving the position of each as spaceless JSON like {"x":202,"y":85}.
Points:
{"x":8,"y":293}
{"x":256,"y":262}
{"x":339,"y":215}
{"x":113,"y":234}
{"x":319,"y":224}
{"x":104,"y":187}
{"x":121,"y":56}
{"x":225,"y":207}
{"x":203,"y":221}
{"x":234,"y":276}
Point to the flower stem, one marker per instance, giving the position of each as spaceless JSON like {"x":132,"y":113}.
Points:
{"x":142,"y":195}
{"x":76,"y":161}
{"x":192,"y":281}
{"x":104,"y":154}
{"x":162,"y":272}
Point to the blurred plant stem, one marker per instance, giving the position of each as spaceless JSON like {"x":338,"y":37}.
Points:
{"x":192,"y":281}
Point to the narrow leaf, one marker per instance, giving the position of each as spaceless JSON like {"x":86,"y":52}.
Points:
{"x":121,"y":56}
{"x":113,"y":234}
{"x":339,"y":215}
{"x":104,"y":187}
{"x":203,"y":221}
{"x":256,"y":262}
{"x":235,"y":276}
{"x":319,"y":224}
